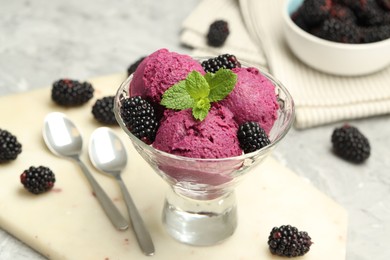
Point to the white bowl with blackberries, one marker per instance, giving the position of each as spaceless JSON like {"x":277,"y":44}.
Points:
{"x":339,"y":37}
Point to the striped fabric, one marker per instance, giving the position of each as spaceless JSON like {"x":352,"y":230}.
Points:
{"x":319,"y":98}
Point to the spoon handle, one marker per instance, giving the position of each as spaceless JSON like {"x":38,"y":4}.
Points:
{"x":142,"y":234}
{"x":108,"y":206}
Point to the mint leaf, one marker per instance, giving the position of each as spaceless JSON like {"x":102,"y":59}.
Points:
{"x":177,"y":97}
{"x":197,"y":85}
{"x":201,"y":108}
{"x":221,"y":84}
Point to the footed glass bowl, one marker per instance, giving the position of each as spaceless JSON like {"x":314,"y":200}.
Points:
{"x":200,"y":206}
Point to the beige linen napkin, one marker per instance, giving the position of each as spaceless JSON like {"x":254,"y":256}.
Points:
{"x":320,"y":98}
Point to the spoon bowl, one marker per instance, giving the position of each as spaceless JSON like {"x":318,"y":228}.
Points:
{"x":107,"y":153}
{"x":64,"y":139}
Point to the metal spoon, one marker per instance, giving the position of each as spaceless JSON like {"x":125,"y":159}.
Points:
{"x":107,"y":153}
{"x":63,"y":139}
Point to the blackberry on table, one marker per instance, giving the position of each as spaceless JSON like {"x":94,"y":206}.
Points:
{"x":252,"y":137}
{"x":37,"y":179}
{"x":67,"y":92}
{"x":103,"y":110}
{"x":226,"y":61}
{"x":288,"y":241}
{"x":10,"y":148}
{"x":133,"y":67}
{"x":139,"y":117}
{"x":218,"y":33}
{"x":350,"y":144}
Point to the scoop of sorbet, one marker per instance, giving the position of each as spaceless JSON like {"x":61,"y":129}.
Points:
{"x":253,"y":99}
{"x":214,"y":137}
{"x":159,"y":71}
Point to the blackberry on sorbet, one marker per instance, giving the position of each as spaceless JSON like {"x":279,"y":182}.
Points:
{"x":223,"y":61}
{"x":67,"y":92}
{"x":140,"y":118}
{"x":38,"y":179}
{"x":252,"y":137}
{"x":10,"y":148}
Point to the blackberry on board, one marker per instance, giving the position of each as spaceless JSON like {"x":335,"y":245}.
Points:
{"x":252,"y":137}
{"x":67,"y":92}
{"x":288,"y":241}
{"x":350,"y":144}
{"x":226,"y":61}
{"x":218,"y":33}
{"x":133,"y":67}
{"x":140,"y":118}
{"x":37,"y":179}
{"x":103,"y":110}
{"x":10,"y":148}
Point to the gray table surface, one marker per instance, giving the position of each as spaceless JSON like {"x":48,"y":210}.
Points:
{"x":41,"y":41}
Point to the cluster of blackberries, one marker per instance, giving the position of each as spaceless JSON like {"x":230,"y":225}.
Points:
{"x":345,"y":21}
{"x":287,"y":241}
{"x":37,"y":179}
{"x":225,"y":61}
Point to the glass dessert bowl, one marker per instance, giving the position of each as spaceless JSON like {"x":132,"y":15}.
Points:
{"x":200,"y":207}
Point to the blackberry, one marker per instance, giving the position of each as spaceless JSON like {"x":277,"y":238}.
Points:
{"x":375,"y":33}
{"x":343,"y":14}
{"x":385,"y":4}
{"x":10,"y":148}
{"x":218,"y":33}
{"x":38,"y":179}
{"x":252,"y":137}
{"x":103,"y":110}
{"x":315,"y":12}
{"x":139,"y":117}
{"x":368,"y":12}
{"x":67,"y":92}
{"x":338,"y":31}
{"x":133,"y":67}
{"x":226,"y":61}
{"x":350,"y":144}
{"x":287,"y":241}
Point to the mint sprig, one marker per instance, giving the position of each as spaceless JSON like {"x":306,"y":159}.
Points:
{"x":198,"y":92}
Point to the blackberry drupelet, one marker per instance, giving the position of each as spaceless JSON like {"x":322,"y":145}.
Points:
{"x":103,"y":110}
{"x":252,"y":137}
{"x":10,"y":148}
{"x":218,"y":33}
{"x":350,"y":144}
{"x":139,"y":117}
{"x":133,"y":67}
{"x":38,"y":179}
{"x":67,"y":92}
{"x":287,"y":241}
{"x":226,"y":61}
